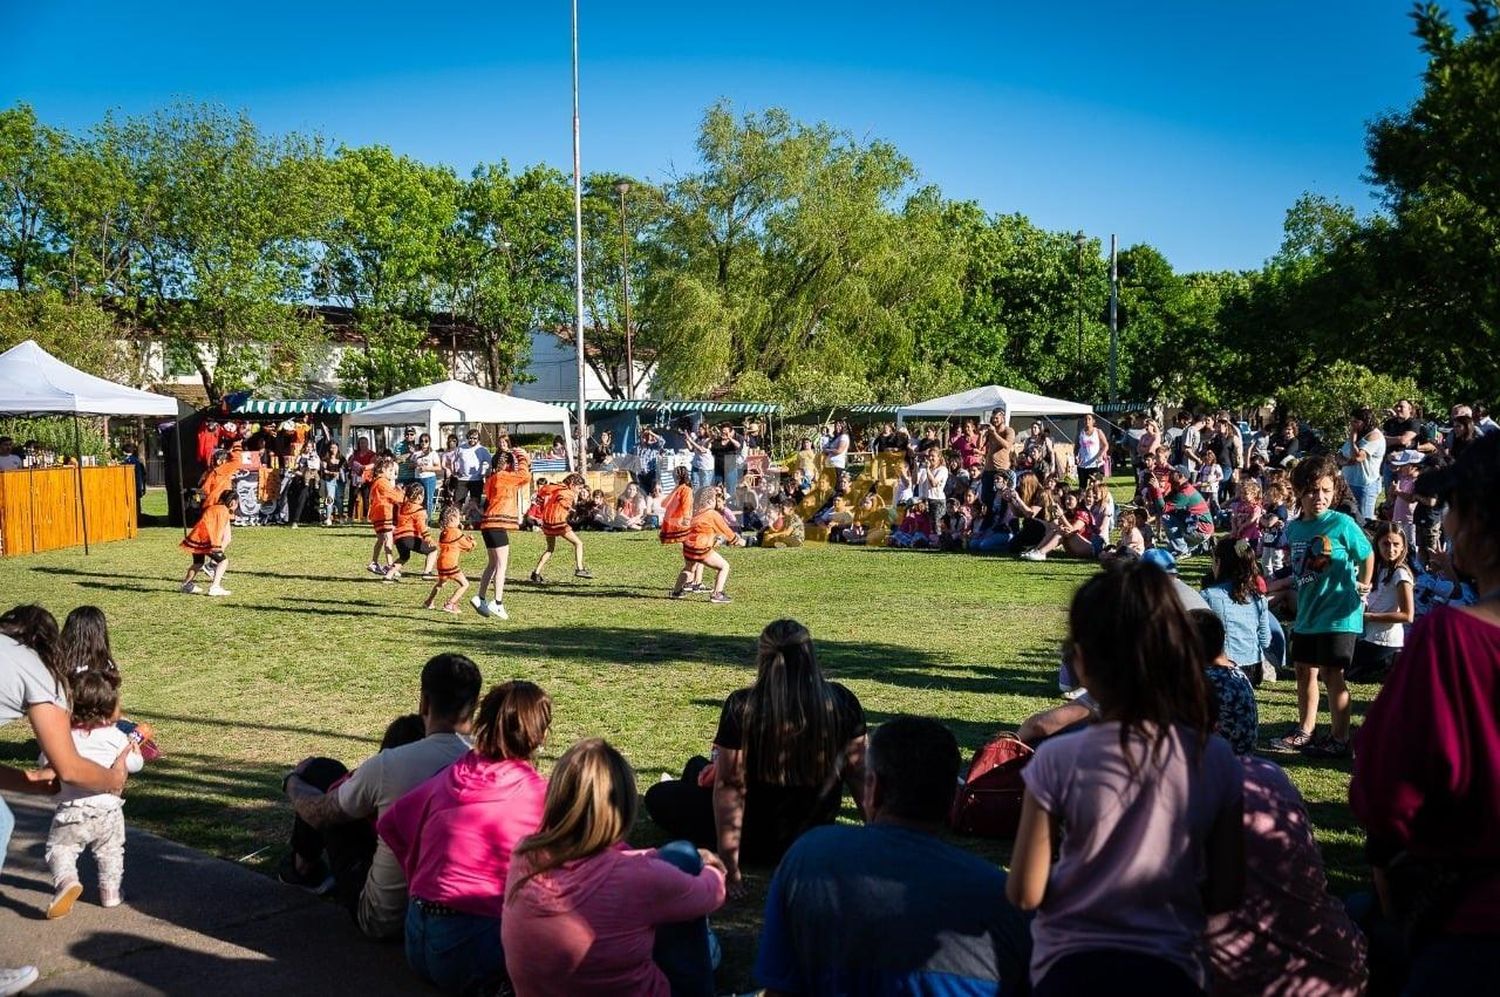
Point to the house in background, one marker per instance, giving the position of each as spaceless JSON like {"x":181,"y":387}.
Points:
{"x":554,"y":372}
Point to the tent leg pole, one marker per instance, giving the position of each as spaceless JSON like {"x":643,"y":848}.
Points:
{"x":181,"y":479}
{"x":83,"y":511}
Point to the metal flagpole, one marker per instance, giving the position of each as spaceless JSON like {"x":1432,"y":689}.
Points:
{"x":583,"y":459}
{"x":83,"y":511}
{"x":1114,"y":317}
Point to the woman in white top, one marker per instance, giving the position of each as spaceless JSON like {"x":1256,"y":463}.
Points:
{"x":1092,"y":448}
{"x":932,"y":478}
{"x":34,"y":685}
{"x":836,"y":453}
{"x":1360,"y":456}
{"x":428,"y":463}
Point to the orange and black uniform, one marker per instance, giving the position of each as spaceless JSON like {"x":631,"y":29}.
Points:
{"x":452,"y":543}
{"x":206,"y":538}
{"x":677,"y":515}
{"x":216,"y":480}
{"x":385,"y":500}
{"x":502,"y":502}
{"x":411,"y":530}
{"x":699,"y":542}
{"x":557,"y":505}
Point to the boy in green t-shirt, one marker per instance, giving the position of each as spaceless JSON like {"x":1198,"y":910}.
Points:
{"x":1332,"y":563}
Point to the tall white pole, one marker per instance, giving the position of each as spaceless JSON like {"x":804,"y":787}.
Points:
{"x":1114,"y":318}
{"x":583,"y":459}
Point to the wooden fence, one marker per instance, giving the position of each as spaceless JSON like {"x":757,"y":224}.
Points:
{"x":39,"y":509}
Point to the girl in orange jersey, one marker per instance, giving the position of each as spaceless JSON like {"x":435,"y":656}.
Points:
{"x":557,"y":503}
{"x":502,"y":513}
{"x":452,"y":542}
{"x":219,"y":476}
{"x":410,"y":533}
{"x":206,"y":542}
{"x":677,"y":519}
{"x":698,"y":547}
{"x":385,"y":502}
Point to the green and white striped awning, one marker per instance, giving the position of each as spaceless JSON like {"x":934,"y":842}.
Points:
{"x":343,"y":406}
{"x":299,"y":406}
{"x":873,"y":409}
{"x":1113,"y":408}
{"x":665,"y":405}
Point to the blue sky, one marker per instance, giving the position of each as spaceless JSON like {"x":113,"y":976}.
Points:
{"x":1191,"y":126}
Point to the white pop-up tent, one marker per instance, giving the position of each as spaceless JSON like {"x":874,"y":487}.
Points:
{"x":980,"y":402}
{"x":33,"y":382}
{"x":449,"y":402}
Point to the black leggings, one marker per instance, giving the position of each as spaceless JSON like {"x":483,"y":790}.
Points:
{"x":684,"y":809}
{"x":1116,"y":972}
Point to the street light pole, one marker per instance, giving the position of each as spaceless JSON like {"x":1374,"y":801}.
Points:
{"x":624,"y":188}
{"x":582,"y":423}
{"x":1080,"y":240}
{"x":1114,"y":317}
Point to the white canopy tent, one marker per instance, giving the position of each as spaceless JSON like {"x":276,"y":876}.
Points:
{"x":980,"y":402}
{"x":451,"y":402}
{"x":33,"y":382}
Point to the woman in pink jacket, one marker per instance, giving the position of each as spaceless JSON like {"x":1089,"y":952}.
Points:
{"x":586,"y":915}
{"x":454,"y":836}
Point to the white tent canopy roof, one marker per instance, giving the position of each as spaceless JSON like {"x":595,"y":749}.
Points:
{"x":449,"y":402}
{"x":34,"y":382}
{"x":983,"y":401}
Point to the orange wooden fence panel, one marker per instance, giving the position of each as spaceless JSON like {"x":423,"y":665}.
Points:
{"x":39,"y":509}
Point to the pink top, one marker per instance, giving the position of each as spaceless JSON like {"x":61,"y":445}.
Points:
{"x":454,"y":833}
{"x":587,"y":927}
{"x":1427,"y":760}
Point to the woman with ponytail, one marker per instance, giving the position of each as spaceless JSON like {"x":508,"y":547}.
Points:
{"x":783,"y":748}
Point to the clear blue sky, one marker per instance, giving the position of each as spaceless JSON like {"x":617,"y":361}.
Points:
{"x":1189,"y":125}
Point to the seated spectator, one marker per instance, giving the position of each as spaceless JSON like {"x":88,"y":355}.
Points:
{"x":1236,"y":717}
{"x":787,"y":530}
{"x":838,"y":510}
{"x":916,"y":528}
{"x":1074,"y":533}
{"x":1234,"y":596}
{"x":653,"y":509}
{"x":953,"y":530}
{"x":1288,"y":935}
{"x":1188,"y":524}
{"x":1132,"y":543}
{"x":890,"y":907}
{"x":454,"y":834}
{"x":586,"y":915}
{"x":1146,"y":804}
{"x":783,"y":748}
{"x":333,"y":836}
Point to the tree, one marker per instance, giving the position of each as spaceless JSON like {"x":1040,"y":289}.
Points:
{"x":393,"y":359}
{"x":28,"y":175}
{"x":1324,"y":399}
{"x":77,"y":332}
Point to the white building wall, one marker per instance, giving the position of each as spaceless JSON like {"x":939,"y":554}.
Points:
{"x":554,"y":365}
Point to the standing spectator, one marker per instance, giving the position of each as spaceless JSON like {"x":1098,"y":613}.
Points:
{"x":1188,"y":446}
{"x":890,"y":907}
{"x":1361,"y":456}
{"x":360,"y":463}
{"x":1092,"y":451}
{"x":11,"y":461}
{"x":470,"y":465}
{"x":932,"y":479}
{"x":1235,"y":598}
{"x":428,"y":463}
{"x":405,"y":452}
{"x":1426,"y":781}
{"x":726,"y":451}
{"x":586,"y":916}
{"x":336,"y":810}
{"x":836,"y":451}
{"x":334,"y":475}
{"x":1286,"y":446}
{"x":965,"y":443}
{"x":648,"y":450}
{"x":998,"y":442}
{"x":700,"y":444}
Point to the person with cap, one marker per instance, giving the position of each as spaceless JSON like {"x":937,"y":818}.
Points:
{"x":1405,"y":465}
{"x":1188,"y":521}
{"x":1189,"y":597}
{"x":1426,"y":784}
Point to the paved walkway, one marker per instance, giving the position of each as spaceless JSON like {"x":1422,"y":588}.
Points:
{"x":190,"y":924}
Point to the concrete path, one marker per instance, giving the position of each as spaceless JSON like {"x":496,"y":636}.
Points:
{"x":190,"y":924}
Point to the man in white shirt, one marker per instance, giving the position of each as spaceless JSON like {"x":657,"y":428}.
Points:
{"x":338,"y":822}
{"x":470,"y":465}
{"x":9,"y":459}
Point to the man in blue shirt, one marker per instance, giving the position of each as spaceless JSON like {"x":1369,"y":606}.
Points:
{"x":891,"y":908}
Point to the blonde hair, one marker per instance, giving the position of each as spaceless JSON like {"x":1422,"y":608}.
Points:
{"x":590,"y":806}
{"x":705,"y":498}
{"x":1249,"y":490}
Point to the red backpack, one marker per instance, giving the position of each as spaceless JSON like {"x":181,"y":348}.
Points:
{"x":988,"y":804}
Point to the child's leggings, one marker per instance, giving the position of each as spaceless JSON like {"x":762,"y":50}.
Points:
{"x":75,"y":828}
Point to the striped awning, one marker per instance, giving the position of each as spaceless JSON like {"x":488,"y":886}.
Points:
{"x":343,"y":406}
{"x":299,"y":406}
{"x":1112,"y":408}
{"x":873,"y":409}
{"x":665,"y":405}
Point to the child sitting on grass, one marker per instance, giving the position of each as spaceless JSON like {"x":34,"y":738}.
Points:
{"x":1132,"y":542}
{"x":788,"y":529}
{"x":452,"y":542}
{"x":916,"y":529}
{"x":87,"y":820}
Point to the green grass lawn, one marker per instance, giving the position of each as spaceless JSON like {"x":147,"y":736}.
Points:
{"x":313,"y":655}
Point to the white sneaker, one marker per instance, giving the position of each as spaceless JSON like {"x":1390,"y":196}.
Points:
{"x":1032,"y":555}
{"x":188,"y":588}
{"x":219,"y":590}
{"x":14,"y":980}
{"x":110,"y":897}
{"x":497,"y":610}
{"x":480,"y":606}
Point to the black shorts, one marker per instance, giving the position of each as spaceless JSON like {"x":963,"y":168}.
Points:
{"x":1372,"y":661}
{"x":495,"y":537}
{"x":214,"y":557}
{"x":407,"y":546}
{"x":1323,"y":650}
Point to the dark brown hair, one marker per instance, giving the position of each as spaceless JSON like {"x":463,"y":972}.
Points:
{"x":96,"y":696}
{"x":1237,"y":565}
{"x":512,"y":721}
{"x":84,"y":644}
{"x":34,"y":627}
{"x":790,"y":722}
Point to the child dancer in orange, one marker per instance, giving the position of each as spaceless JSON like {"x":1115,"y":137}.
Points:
{"x":677,"y":519}
{"x":557,"y":503}
{"x":698,"y":548}
{"x":452,"y":542}
{"x":385,"y":503}
{"x":410,"y":534}
{"x":207,"y":540}
{"x":502,"y":513}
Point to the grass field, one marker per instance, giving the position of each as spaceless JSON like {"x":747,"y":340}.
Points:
{"x":313,"y":655}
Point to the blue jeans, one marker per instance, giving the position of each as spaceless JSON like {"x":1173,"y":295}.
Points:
{"x":333,"y":491}
{"x":457,"y":953}
{"x":429,"y":491}
{"x":687,"y":952}
{"x":7,"y":826}
{"x":1364,"y":497}
{"x":702,"y":479}
{"x":1182,"y":533}
{"x":1276,"y":650}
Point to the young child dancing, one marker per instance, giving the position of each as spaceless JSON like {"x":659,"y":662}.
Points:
{"x":385,"y":502}
{"x":510,"y":474}
{"x":557,"y":505}
{"x":91,"y":821}
{"x":207,"y":540}
{"x":410,"y":534}
{"x":452,"y":542}
{"x":698,"y":547}
{"x":1146,"y":802}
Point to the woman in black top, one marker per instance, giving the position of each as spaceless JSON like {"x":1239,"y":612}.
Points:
{"x":785,"y":748}
{"x":335,"y":466}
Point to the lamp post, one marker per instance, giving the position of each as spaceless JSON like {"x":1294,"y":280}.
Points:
{"x":582,"y":422}
{"x":1114,"y":318}
{"x":623,"y":188}
{"x":1080,"y":240}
